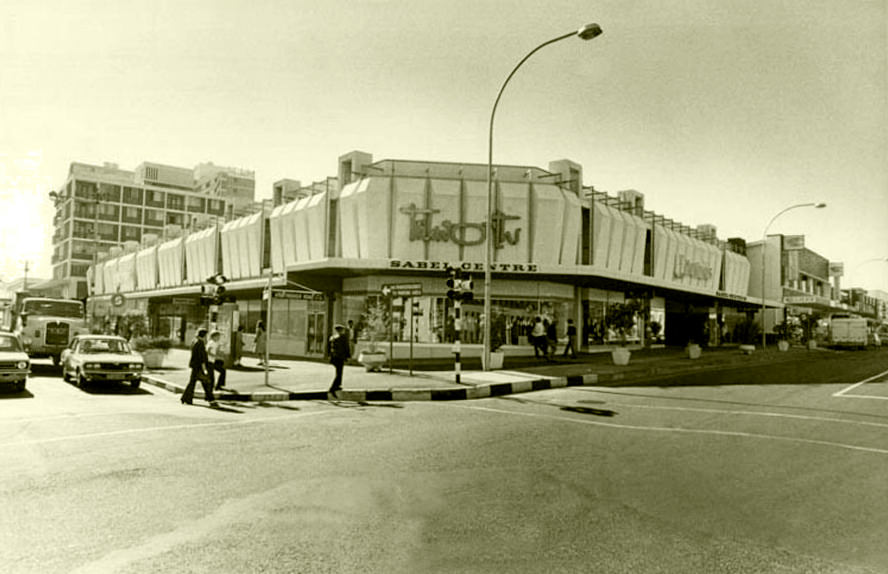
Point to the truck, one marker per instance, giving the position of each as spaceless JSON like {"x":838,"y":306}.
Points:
{"x":846,"y":330}
{"x":46,"y":325}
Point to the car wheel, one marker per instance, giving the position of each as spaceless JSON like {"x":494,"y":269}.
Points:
{"x":64,"y":374}
{"x":56,"y":360}
{"x":135,"y":383}
{"x":20,"y":387}
{"x":81,"y":381}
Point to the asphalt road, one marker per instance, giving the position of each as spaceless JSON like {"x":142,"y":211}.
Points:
{"x":720,"y":477}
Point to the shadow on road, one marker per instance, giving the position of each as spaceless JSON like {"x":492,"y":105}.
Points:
{"x":590,"y":411}
{"x":11,"y":394}
{"x":343,"y":404}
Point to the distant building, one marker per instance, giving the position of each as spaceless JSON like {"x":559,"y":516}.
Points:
{"x":105,"y":209}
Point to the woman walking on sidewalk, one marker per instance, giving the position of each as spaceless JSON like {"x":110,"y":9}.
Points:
{"x":260,"y":341}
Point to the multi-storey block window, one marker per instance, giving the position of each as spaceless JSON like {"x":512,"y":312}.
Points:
{"x":85,"y":189}
{"x":196,"y":204}
{"x":79,"y":269}
{"x":82,"y":229}
{"x":155,"y":198}
{"x":84,"y":209}
{"x":83,"y":249}
{"x":109,"y":212}
{"x":108,"y":231}
{"x":132,"y":214}
{"x":175,"y":202}
{"x":175,"y":219}
{"x":132,"y":195}
{"x":109,"y":192}
{"x":154,"y":217}
{"x":216,"y":207}
{"x":128,"y":233}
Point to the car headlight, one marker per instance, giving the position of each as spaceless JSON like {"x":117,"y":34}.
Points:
{"x":92,"y":366}
{"x":21,"y":365}
{"x":135,"y":365}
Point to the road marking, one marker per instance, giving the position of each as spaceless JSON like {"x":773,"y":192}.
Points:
{"x":159,"y":429}
{"x":680,"y":429}
{"x":844,"y":392}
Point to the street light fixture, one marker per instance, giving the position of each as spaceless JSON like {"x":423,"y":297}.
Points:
{"x":765,"y":251}
{"x":587,"y":32}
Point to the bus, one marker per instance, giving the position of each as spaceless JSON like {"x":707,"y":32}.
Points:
{"x":46,"y":325}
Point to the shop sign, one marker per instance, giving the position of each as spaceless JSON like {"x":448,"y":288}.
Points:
{"x":463,"y":266}
{"x":793,"y":242}
{"x":836,"y":269}
{"x":298,"y":295}
{"x":423,"y":228}
{"x":684,"y":267}
{"x":800,"y":299}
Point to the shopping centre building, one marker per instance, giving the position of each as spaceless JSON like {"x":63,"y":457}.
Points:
{"x":561,"y":251}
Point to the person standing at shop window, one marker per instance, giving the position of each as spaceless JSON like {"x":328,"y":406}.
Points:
{"x":260,"y":341}
{"x":551,"y":339}
{"x":538,"y":338}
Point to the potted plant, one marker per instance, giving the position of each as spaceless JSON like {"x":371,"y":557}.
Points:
{"x":783,"y":330}
{"x":497,"y":340}
{"x":656,"y":327}
{"x":152,"y":349}
{"x":747,"y":332}
{"x":621,"y":317}
{"x":809,"y":330}
{"x":376,"y":328}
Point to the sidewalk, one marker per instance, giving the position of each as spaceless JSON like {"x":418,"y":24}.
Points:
{"x":309,"y":380}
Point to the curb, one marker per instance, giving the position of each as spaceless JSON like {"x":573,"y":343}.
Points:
{"x":440,"y":394}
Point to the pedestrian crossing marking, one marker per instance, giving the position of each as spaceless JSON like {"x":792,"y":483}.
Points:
{"x":880,"y":379}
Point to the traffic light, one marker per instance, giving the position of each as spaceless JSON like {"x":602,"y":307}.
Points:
{"x":459,"y":288}
{"x":219,"y":295}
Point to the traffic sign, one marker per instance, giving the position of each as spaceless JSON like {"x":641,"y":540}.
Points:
{"x":403,"y":289}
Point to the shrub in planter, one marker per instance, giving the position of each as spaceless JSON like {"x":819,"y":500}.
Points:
{"x":622,"y":317}
{"x":783,"y":331}
{"x":376,"y":328}
{"x":497,"y":340}
{"x":152,"y":349}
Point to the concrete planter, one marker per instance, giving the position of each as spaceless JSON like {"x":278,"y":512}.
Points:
{"x":372,"y":360}
{"x":747,"y":349}
{"x":782,"y":345}
{"x":621,"y":356}
{"x":812,"y":344}
{"x":694,"y":351}
{"x":496,"y":360}
{"x":153,"y":358}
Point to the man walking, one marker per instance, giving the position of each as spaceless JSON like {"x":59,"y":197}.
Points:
{"x":571,"y":339}
{"x":340,"y":350}
{"x":199,"y":370}
{"x":216,"y":360}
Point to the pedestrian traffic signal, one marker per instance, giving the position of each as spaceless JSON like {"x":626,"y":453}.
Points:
{"x":459,"y":288}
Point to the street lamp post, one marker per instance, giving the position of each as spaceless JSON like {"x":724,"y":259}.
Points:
{"x":587,"y":32}
{"x":765,"y":251}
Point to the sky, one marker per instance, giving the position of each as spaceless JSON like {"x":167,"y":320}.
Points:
{"x":719,"y":112}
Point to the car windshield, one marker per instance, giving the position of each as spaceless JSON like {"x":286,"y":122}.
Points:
{"x":92,"y":346}
{"x":9,"y":344}
{"x":73,"y":309}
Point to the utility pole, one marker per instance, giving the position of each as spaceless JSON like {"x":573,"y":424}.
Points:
{"x":25,"y":280}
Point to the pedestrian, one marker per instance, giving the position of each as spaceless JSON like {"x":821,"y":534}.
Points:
{"x":199,"y":370}
{"x":216,"y":360}
{"x":339,"y":350}
{"x":551,"y":339}
{"x":571,"y":339}
{"x":238,"y":347}
{"x":538,"y":338}
{"x":259,"y":342}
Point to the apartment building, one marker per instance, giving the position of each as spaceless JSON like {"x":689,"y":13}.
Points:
{"x":101,"y":209}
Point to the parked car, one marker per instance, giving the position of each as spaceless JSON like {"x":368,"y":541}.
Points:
{"x":99,"y":358}
{"x":15,"y":366}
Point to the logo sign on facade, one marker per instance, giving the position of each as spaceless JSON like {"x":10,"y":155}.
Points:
{"x":793,"y":242}
{"x":684,"y":267}
{"x":836,"y":269}
{"x":182,"y":301}
{"x":462,"y":266}
{"x":403,"y":289}
{"x":118,"y":300}
{"x":424,"y":228}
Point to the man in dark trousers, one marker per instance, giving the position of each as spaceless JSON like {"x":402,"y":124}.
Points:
{"x":340,"y":350}
{"x":200,"y":370}
{"x":571,"y":339}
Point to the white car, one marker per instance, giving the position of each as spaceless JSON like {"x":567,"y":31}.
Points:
{"x":99,"y":358}
{"x":15,"y":366}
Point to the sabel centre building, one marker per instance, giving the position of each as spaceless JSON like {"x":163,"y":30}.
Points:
{"x":562,"y":251}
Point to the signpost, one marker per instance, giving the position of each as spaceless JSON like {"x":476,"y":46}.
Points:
{"x":407,"y":291}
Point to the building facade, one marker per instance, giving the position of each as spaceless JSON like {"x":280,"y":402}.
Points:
{"x":562,"y":251}
{"x":104,"y":208}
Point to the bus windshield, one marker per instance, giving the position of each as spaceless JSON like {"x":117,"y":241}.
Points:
{"x":72,"y":309}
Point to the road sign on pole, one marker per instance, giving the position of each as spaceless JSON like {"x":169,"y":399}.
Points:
{"x":403,"y":289}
